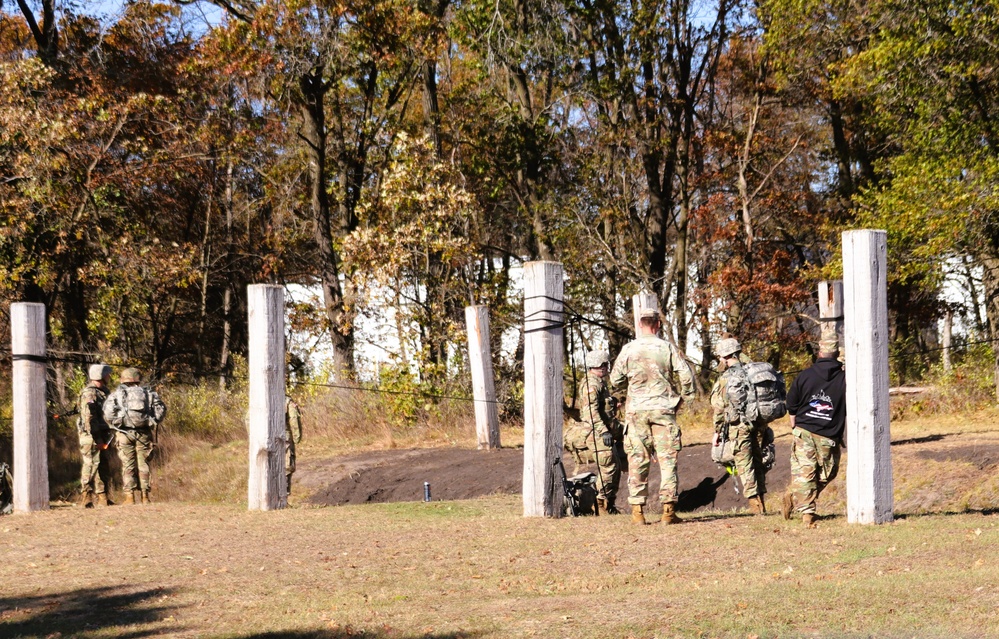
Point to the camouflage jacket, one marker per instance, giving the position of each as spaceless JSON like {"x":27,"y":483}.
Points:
{"x":598,"y":407}
{"x":645,"y":366}
{"x":292,"y":421}
{"x":91,"y":410}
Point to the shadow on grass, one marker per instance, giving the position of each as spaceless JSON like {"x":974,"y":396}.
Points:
{"x":79,"y":613}
{"x":349,"y":633}
{"x":918,"y":440}
{"x":947,"y":513}
{"x":701,"y":495}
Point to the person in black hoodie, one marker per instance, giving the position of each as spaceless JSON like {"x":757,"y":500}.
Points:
{"x":816,"y":402}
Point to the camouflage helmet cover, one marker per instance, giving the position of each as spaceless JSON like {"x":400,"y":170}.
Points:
{"x":596,"y":359}
{"x":727,"y":347}
{"x":131,"y":375}
{"x":98,"y":371}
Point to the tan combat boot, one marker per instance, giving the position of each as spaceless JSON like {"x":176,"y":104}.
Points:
{"x":102,"y":499}
{"x":787,"y":506}
{"x":808,"y":519}
{"x":86,"y":499}
{"x":601,"y":506}
{"x":638,"y":514}
{"x":669,"y":514}
{"x":756,"y":506}
{"x":145,"y":497}
{"x":129,"y":498}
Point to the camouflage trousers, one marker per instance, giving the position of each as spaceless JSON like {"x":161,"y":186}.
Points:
{"x":814,"y":463}
{"x":748,"y":459}
{"x":94,"y":470}
{"x":289,"y":462}
{"x":651,"y":432}
{"x":580,"y":444}
{"x":134,"y":449}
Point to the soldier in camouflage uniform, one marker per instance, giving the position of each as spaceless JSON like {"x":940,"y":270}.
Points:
{"x":595,"y":436}
{"x":816,"y":402}
{"x":135,"y":412}
{"x":645,"y":367}
{"x":292,"y":436}
{"x":95,"y":436}
{"x":730,"y":413}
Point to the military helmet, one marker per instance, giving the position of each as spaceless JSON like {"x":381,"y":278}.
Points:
{"x":727,"y":347}
{"x":98,"y":372}
{"x":829,"y":344}
{"x":131,"y":375}
{"x":596,"y":359}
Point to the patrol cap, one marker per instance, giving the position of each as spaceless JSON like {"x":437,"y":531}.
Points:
{"x":131,"y":375}
{"x":98,"y":371}
{"x":648,"y":313}
{"x":596,"y":359}
{"x":727,"y":347}
{"x":829,"y":345}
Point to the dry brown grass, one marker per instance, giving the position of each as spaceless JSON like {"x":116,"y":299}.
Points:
{"x":198,"y":565}
{"x":479,"y":569}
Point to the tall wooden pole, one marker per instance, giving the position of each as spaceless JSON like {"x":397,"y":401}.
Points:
{"x":266,"y":485}
{"x":31,"y":466}
{"x":483,"y":386}
{"x":640,"y":302}
{"x":869,"y":497}
{"x":543,"y":363}
{"x":831,"y":311}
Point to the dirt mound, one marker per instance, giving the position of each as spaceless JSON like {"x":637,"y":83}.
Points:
{"x":454,"y":473}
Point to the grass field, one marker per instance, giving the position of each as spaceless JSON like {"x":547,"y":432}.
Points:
{"x":479,"y":569}
{"x":192,"y":567}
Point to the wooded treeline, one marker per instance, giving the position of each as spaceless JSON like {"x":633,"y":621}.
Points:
{"x":152,"y":165}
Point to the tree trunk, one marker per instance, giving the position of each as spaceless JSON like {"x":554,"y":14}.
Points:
{"x":314,"y":133}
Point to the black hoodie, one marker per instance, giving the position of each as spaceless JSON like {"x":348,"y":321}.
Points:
{"x":817,"y":398}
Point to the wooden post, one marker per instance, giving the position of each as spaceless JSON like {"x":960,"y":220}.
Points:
{"x":266,"y":485}
{"x":865,"y":287}
{"x":948,"y":329}
{"x":31,"y":466}
{"x":483,"y":386}
{"x":543,"y":363}
{"x":831,"y":311}
{"x":641,"y":301}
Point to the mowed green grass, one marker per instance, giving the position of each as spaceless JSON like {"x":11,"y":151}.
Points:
{"x":479,"y":569}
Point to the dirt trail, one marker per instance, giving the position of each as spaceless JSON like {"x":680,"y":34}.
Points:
{"x":456,"y":473}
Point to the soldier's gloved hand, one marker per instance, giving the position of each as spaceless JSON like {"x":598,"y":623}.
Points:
{"x":608,"y":439}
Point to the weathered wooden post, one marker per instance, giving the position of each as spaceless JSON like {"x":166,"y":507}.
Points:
{"x":639,"y":302}
{"x":266,"y":485}
{"x":831,"y":310}
{"x":543,"y":363}
{"x":483,"y":385}
{"x":865,"y":300}
{"x":31,"y":466}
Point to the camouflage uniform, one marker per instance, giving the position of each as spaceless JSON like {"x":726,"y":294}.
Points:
{"x":292,"y":436}
{"x":745,"y":435}
{"x":814,"y":463}
{"x":135,"y":442}
{"x":94,"y":438}
{"x":596,"y":418}
{"x":644,"y":366}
